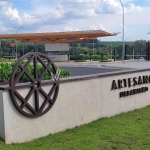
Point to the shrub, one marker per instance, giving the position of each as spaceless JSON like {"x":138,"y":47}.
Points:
{"x":6,"y":60}
{"x":6,"y":69}
{"x":96,"y":57}
{"x":80,"y":57}
{"x":72,"y":57}
{"x":64,"y":73}
{"x":106,"y":57}
{"x":86,"y":57}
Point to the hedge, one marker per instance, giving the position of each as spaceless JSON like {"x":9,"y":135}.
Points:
{"x":6,"y":69}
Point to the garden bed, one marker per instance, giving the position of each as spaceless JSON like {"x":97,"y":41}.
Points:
{"x":6,"y":69}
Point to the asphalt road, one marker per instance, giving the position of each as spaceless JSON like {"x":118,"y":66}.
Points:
{"x":79,"y":71}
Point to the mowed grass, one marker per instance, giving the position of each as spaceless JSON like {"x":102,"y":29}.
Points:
{"x":125,"y":131}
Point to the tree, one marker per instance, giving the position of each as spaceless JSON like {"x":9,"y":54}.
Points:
{"x":140,"y":47}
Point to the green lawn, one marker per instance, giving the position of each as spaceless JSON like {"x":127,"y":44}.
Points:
{"x":126,"y":131}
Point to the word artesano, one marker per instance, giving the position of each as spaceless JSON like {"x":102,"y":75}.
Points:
{"x":129,"y":82}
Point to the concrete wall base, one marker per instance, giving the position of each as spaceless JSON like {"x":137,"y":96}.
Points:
{"x":79,"y":102}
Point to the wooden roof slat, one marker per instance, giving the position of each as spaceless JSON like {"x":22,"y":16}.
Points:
{"x":58,"y":36}
{"x":60,"y":41}
{"x":56,"y":39}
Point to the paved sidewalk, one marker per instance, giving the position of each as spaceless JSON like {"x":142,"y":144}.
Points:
{"x":132,"y":64}
{"x":136,"y":64}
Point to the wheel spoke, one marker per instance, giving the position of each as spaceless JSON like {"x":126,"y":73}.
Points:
{"x":41,"y":61}
{"x":48,"y":97}
{"x":44,"y":72}
{"x":18,"y":76}
{"x":36,"y":101}
{"x":35,"y":68}
{"x":43,"y":92}
{"x":53,"y":89}
{"x":29,"y":61}
{"x":29,"y":76}
{"x":27,"y":98}
{"x":24,"y":71}
{"x":23,"y":68}
{"x":27,"y":104}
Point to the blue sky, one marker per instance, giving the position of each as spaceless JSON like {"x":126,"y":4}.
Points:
{"x":37,"y":16}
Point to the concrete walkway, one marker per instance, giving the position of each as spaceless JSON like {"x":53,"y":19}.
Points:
{"x":132,"y":64}
{"x":136,"y":64}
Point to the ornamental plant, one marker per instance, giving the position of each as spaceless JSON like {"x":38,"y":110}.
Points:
{"x":6,"y":69}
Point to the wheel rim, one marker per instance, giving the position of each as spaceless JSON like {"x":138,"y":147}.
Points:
{"x":34,"y":86}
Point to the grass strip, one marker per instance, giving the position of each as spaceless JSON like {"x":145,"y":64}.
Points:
{"x":125,"y":131}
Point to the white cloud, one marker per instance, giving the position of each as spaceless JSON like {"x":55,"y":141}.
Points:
{"x":78,"y":1}
{"x":98,"y":27}
{"x":68,"y":29}
{"x":11,"y":13}
{"x":5,"y":3}
{"x":28,"y":19}
{"x":134,"y":9}
{"x":71,"y":29}
{"x":109,"y":6}
{"x":57,"y":14}
{"x":3,"y":28}
{"x":114,"y":7}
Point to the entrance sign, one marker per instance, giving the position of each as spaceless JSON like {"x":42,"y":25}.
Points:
{"x":131,"y":82}
{"x":101,"y":94}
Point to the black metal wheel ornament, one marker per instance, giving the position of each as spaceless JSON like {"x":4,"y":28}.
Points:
{"x":34,"y":85}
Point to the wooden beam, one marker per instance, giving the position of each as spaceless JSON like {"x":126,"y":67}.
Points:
{"x":58,"y":37}
{"x":59,"y":41}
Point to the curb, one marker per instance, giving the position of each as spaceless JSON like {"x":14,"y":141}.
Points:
{"x":114,"y":67}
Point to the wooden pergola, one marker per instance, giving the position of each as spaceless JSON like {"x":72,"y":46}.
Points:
{"x":58,"y":37}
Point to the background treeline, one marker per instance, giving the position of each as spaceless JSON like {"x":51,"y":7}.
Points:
{"x":97,"y":47}
{"x":93,"y":48}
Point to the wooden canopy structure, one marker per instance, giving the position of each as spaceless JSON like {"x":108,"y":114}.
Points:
{"x":58,"y":37}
